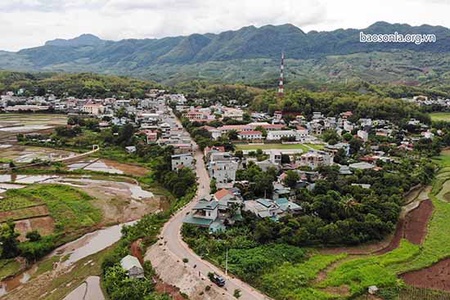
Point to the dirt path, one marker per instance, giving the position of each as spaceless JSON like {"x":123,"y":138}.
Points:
{"x":416,"y":222}
{"x":136,"y":250}
{"x":165,"y":288}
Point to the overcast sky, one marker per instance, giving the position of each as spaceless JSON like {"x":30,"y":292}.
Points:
{"x":29,"y":23}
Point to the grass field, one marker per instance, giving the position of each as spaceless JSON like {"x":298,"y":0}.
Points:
{"x":70,"y":208}
{"x":15,"y":199}
{"x":291,"y":281}
{"x":8,"y":267}
{"x":440,"y":116}
{"x":304,"y":147}
{"x":361,"y":273}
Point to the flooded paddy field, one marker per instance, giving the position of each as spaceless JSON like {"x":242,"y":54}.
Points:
{"x":119,"y":201}
{"x":13,"y":124}
{"x":108,"y":166}
{"x":26,"y":154}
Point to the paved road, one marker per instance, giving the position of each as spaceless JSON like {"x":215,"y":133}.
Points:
{"x":177,"y":247}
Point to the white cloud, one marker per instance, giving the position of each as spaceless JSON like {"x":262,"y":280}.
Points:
{"x":28,"y":23}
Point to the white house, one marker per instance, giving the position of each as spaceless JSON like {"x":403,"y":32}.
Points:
{"x":314,"y":159}
{"x":93,"y":108}
{"x":222,"y":167}
{"x":132,"y":266}
{"x":364,"y":135}
{"x":204,"y":213}
{"x":233,"y":113}
{"x":263,"y":208}
{"x":277,"y":135}
{"x":250,"y":135}
{"x":185,"y":160}
{"x":302,"y":132}
{"x":215,"y":133}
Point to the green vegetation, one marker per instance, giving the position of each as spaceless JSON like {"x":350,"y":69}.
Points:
{"x":243,"y":56}
{"x":183,"y":187}
{"x":359,"y":274}
{"x":409,"y":292}
{"x":70,"y":207}
{"x":46,"y":265}
{"x":76,"y":85}
{"x":119,"y":286}
{"x":433,"y":248}
{"x":440,"y":116}
{"x":9,"y":267}
{"x":337,"y":212}
{"x":15,"y":199}
{"x":293,"y":280}
{"x":369,"y":105}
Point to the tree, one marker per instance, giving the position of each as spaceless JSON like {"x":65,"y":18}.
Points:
{"x":355,"y":145}
{"x":262,"y":130}
{"x":347,"y":136}
{"x":233,"y":135}
{"x":239,"y":154}
{"x":213,"y":186}
{"x":33,"y":236}
{"x":291,"y":178}
{"x":8,"y":240}
{"x":331,"y":136}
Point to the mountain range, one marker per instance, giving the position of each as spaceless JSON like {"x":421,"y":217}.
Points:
{"x":249,"y":54}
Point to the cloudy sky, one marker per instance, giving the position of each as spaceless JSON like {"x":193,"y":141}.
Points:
{"x":29,"y":23}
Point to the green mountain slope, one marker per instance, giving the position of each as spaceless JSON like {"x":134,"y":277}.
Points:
{"x":249,"y":54}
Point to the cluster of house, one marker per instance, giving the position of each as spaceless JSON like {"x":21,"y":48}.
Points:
{"x":158,"y":125}
{"x":225,"y":207}
{"x":216,"y":210}
{"x":211,"y":113}
{"x":258,"y":131}
{"x":426,"y":101}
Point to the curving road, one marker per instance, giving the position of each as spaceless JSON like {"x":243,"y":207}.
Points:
{"x":171,"y":234}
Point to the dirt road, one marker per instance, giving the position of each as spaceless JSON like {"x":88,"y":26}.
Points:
{"x":175,"y":246}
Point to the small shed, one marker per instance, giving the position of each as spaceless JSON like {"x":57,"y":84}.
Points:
{"x":130,"y":149}
{"x":373,"y":289}
{"x":132,"y":266}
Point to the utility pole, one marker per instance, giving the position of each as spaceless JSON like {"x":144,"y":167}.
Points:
{"x":226,"y":263}
{"x":281,"y":79}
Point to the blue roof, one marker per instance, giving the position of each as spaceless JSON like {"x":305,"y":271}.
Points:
{"x":285,"y":204}
{"x":265,"y":202}
{"x":206,"y":205}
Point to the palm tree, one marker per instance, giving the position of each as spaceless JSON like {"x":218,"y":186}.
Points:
{"x":348,"y":204}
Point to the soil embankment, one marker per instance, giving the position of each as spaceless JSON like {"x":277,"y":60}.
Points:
{"x":175,"y":273}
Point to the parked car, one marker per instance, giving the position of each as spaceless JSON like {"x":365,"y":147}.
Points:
{"x":218,"y":280}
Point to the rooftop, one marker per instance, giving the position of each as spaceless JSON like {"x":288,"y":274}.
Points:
{"x":129,"y":261}
{"x":206,"y":205}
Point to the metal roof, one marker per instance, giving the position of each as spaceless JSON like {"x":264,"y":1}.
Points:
{"x":129,"y":261}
